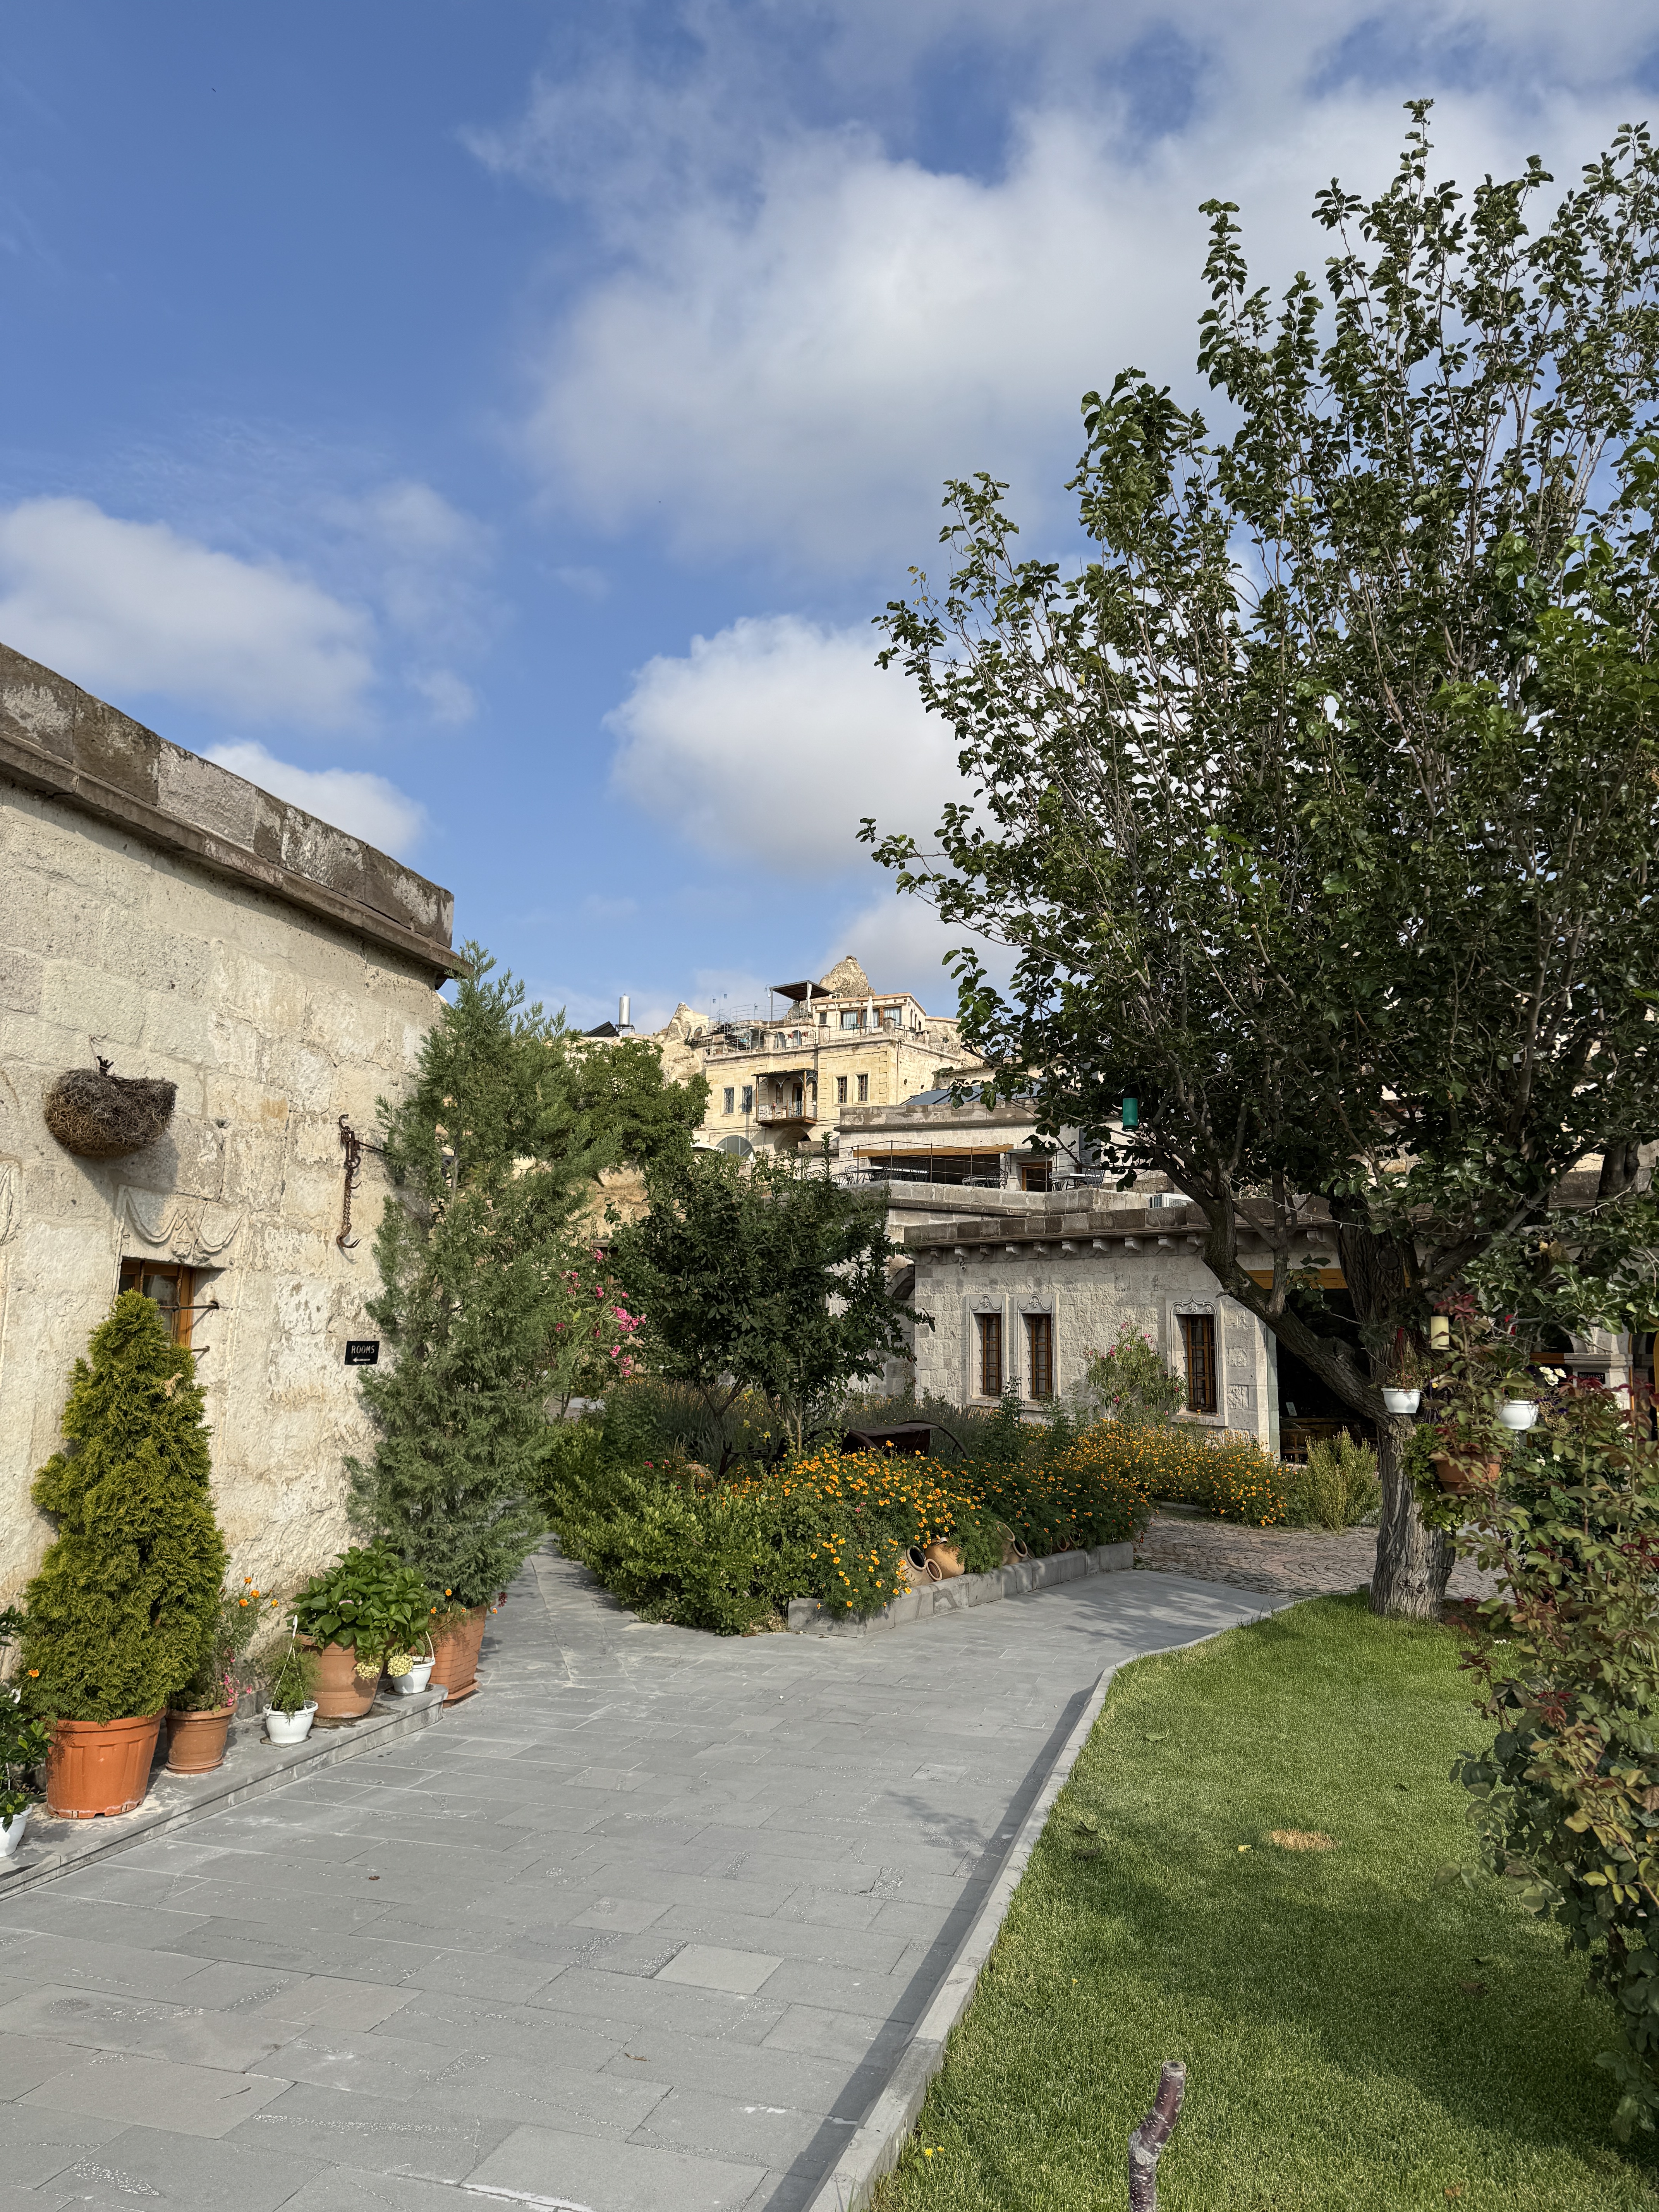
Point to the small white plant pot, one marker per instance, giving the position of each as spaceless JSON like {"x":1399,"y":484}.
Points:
{"x":419,"y":1675}
{"x":1518,"y":1412}
{"x":11,"y":1833}
{"x":1403,"y":1402}
{"x":289,"y":1728}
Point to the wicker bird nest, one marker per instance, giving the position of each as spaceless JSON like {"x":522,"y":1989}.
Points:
{"x":100,"y":1116}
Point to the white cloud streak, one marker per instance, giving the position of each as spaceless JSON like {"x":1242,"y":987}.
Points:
{"x":137,"y":608}
{"x":800,"y":334}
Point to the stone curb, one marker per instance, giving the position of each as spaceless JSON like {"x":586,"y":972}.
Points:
{"x":808,"y":1618}
{"x":175,"y":1801}
{"x":874,"y":2149}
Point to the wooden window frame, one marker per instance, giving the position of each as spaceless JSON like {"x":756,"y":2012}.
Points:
{"x":864,"y":1090}
{"x":182,"y":1313}
{"x":1040,"y":1355}
{"x":991,"y":1372}
{"x":1198,"y":1349}
{"x":841,"y":1090}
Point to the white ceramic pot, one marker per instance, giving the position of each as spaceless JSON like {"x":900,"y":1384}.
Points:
{"x":11,"y":1833}
{"x":289,"y":1728}
{"x":1403,"y":1402}
{"x":1518,"y":1412}
{"x":419,"y":1675}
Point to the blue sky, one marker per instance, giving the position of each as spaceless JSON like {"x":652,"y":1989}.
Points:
{"x":495,"y":424}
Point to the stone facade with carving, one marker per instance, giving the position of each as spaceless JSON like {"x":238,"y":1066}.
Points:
{"x":168,"y":917}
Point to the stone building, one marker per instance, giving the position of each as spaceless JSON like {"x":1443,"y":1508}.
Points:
{"x":166,"y":916}
{"x":791,"y":1080}
{"x":1021,"y":1297}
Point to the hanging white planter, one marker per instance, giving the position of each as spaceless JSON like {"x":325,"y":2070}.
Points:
{"x":1403,"y":1402}
{"x":289,"y":1728}
{"x":11,"y":1832}
{"x":1518,"y":1412}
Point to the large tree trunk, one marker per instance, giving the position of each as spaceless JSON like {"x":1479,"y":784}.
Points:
{"x":1414,"y":1563}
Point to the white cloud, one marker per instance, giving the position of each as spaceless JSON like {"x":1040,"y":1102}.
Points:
{"x":423,"y":558}
{"x":801,"y":335}
{"x":450,"y":698}
{"x":901,"y":944}
{"x":137,"y":608}
{"x":773,"y":738}
{"x":364,"y":805}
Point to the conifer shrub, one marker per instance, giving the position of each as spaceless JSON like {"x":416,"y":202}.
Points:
{"x":124,"y":1604}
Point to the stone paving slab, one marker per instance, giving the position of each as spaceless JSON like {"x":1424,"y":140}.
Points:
{"x":646,"y":1925}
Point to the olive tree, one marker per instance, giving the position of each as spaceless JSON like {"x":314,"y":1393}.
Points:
{"x":1317,"y":801}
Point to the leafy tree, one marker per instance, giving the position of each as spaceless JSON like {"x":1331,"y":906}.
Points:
{"x":492,"y":1153}
{"x":125,"y":1602}
{"x":763,"y":1275}
{"x":1319,"y":804}
{"x":637,"y":1115}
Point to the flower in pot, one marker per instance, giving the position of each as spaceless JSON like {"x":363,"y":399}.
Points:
{"x":24,"y":1743}
{"x":367,"y":1604}
{"x":291,"y":1708}
{"x":199,"y":1713}
{"x":124,"y":1600}
{"x":408,"y":1672}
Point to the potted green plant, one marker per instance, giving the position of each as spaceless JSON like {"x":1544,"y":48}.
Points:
{"x":1402,"y":1390}
{"x":200,"y":1713}
{"x":290,"y":1707}
{"x":123,"y":1603}
{"x":23,"y":1746}
{"x":366,"y":1605}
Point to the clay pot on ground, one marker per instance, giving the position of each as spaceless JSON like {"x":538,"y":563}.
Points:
{"x":195,"y":1741}
{"x":289,"y":1728}
{"x":99,"y":1766}
{"x":918,"y":1569}
{"x":342,"y":1694}
{"x":11,"y":1833}
{"x":455,"y":1655}
{"x":1014,"y":1552}
{"x":1462,"y":1477}
{"x":948,"y":1562}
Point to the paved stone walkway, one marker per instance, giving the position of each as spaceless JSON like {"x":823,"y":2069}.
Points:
{"x":1284,"y":1562}
{"x":640,"y":1928}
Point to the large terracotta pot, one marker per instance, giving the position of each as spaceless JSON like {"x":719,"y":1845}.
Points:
{"x":948,"y":1562}
{"x":195,"y":1741}
{"x":455,"y":1655}
{"x":1462,"y":1478}
{"x":99,"y":1766}
{"x":342,"y":1693}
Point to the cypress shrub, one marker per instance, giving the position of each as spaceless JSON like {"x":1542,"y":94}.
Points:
{"x":125,"y":1602}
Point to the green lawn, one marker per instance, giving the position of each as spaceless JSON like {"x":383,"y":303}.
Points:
{"x":1358,"y":2030}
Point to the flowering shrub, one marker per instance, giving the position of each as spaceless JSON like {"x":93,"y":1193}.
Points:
{"x":592,"y":1340}
{"x":832,"y":1526}
{"x":1230,"y":1476}
{"x":1568,"y":1794}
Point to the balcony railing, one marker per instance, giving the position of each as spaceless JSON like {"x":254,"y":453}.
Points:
{"x":806,"y":1111}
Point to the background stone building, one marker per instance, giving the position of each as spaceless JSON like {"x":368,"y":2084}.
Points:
{"x":166,"y":916}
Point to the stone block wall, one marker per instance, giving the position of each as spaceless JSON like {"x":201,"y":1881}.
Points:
{"x":273,"y":1021}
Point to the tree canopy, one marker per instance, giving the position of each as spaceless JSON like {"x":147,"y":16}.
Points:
{"x":762,"y":1274}
{"x":1318,"y":803}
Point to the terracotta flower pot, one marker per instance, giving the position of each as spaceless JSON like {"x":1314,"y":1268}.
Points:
{"x":99,"y":1766}
{"x":918,"y":1569}
{"x":948,"y":1562}
{"x":342,"y":1693}
{"x":1462,"y":1477}
{"x":195,"y":1741}
{"x":455,"y":1655}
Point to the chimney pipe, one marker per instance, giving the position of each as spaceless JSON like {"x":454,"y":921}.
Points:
{"x":621,"y":1016}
